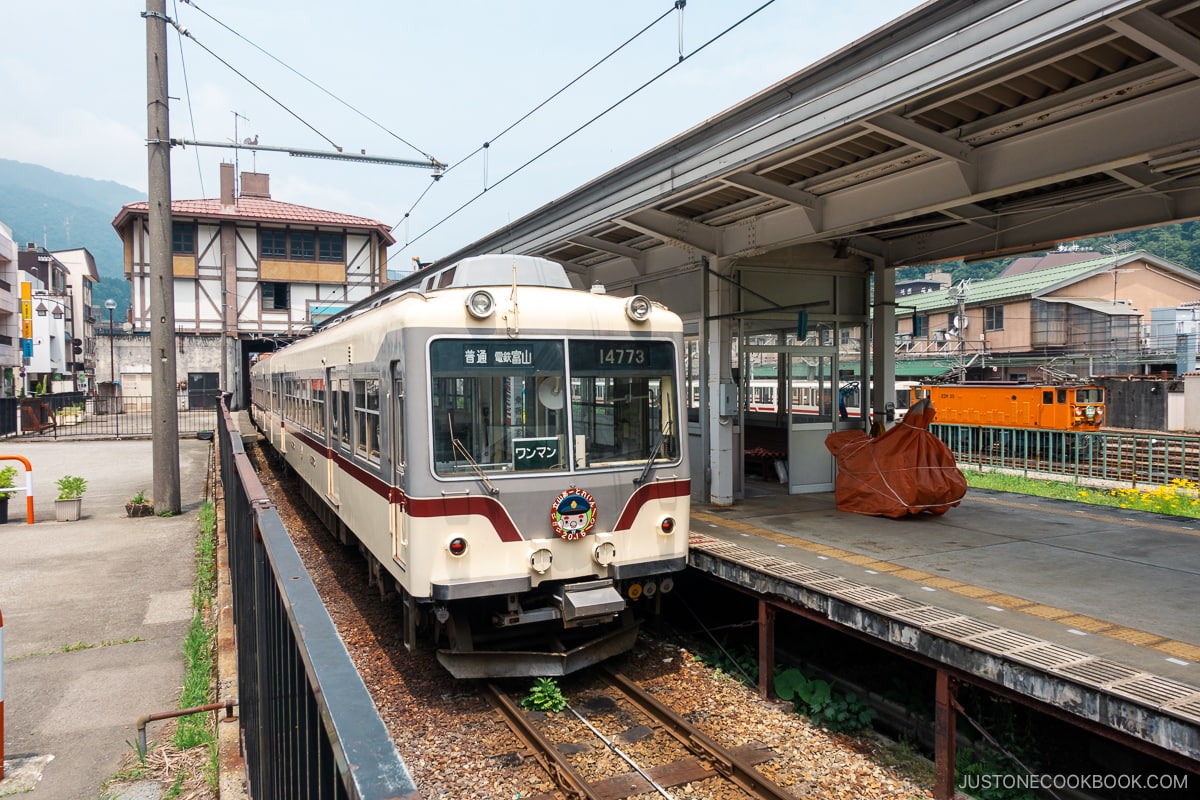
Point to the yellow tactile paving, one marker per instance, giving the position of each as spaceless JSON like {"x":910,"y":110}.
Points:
{"x":967,"y":590}
{"x":1134,"y":636}
{"x":1081,"y":622}
{"x":942,"y":583}
{"x":1045,"y":612}
{"x":1188,"y":652}
{"x":1005,"y":601}
{"x":914,"y":575}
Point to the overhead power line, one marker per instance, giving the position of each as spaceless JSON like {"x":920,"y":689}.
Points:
{"x":588,"y":123}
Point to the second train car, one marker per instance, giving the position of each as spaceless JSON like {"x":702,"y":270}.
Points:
{"x":506,"y":450}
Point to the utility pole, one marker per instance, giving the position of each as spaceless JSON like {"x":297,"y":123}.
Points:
{"x":163,"y":405}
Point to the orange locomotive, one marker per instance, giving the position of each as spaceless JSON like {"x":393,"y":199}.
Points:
{"x":1045,"y":407}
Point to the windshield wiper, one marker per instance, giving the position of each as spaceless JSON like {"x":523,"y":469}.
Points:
{"x":662,"y":437}
{"x":461,"y":449}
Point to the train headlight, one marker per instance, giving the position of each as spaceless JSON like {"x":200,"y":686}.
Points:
{"x":541,"y":560}
{"x":667,"y":525}
{"x":638,"y":308}
{"x":481,"y":304}
{"x":457,"y":546}
{"x":605,"y":553}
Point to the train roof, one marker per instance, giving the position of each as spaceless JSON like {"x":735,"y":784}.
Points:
{"x":496,"y":269}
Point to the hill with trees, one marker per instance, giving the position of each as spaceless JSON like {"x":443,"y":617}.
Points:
{"x":64,"y":212}
{"x":1176,"y":243}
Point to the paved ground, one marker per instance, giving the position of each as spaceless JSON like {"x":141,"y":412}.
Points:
{"x":95,"y":613}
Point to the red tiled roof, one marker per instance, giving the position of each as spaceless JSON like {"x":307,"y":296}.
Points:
{"x":1056,"y":259}
{"x":259,"y":209}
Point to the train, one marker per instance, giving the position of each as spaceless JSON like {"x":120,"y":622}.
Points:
{"x":1021,"y":418}
{"x":761,"y":398}
{"x":1009,"y":404}
{"x":507,"y":452}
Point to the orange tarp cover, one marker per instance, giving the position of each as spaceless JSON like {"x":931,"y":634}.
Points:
{"x":905,"y":470}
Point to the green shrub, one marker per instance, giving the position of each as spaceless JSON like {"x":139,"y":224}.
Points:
{"x":819,"y":702}
{"x":545,"y":696}
{"x":70,"y":487}
{"x":8,"y":477}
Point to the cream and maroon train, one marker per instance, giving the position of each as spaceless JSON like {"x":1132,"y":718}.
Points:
{"x":505,"y":450}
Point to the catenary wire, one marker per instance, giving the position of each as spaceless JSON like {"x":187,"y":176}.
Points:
{"x":185,"y":33}
{"x":311,"y":82}
{"x":187,"y":93}
{"x":484,"y":148}
{"x":470,"y":201}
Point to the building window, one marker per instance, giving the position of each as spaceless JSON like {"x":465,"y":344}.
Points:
{"x":304,"y":246}
{"x":183,"y":239}
{"x":920,"y":326}
{"x":993,"y":318}
{"x":331,"y":247}
{"x":273,"y":244}
{"x":274,"y":295}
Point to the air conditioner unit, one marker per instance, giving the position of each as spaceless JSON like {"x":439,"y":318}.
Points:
{"x":939,"y":335}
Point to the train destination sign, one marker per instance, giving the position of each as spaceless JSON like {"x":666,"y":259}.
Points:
{"x":455,"y":356}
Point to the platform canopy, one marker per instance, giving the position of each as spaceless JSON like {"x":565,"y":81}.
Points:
{"x":965,"y":128}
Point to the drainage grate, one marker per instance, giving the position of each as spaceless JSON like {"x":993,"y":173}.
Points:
{"x":892,"y":605}
{"x":1189,"y":706}
{"x":927,"y":615}
{"x":1099,"y":671}
{"x":864,"y":595}
{"x":1153,"y":689}
{"x":1048,"y":655}
{"x":963,"y":629}
{"x":1002,"y":641}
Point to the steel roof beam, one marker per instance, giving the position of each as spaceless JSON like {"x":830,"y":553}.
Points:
{"x":675,"y":230}
{"x":1162,"y":36}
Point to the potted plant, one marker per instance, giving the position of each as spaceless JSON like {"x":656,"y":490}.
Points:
{"x":139,"y":506}
{"x":8,"y":479}
{"x":69,"y":503}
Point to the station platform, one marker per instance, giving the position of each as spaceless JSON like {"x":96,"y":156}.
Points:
{"x":1088,"y":608}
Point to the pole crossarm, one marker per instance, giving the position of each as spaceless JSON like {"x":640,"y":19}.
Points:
{"x":363,"y":158}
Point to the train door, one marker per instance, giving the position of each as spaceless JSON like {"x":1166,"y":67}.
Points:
{"x":398,"y":515}
{"x":812,"y":397}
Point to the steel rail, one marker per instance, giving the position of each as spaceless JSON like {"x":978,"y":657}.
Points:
{"x":731,"y":766}
{"x":546,"y":753}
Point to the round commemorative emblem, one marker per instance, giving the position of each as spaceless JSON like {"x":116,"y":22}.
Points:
{"x":573,"y":513}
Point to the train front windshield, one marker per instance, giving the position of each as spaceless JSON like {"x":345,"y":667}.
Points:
{"x":501,"y":406}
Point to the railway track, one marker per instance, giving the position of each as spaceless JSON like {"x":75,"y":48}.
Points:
{"x":617,"y":741}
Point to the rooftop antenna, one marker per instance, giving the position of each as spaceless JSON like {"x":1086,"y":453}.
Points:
{"x":236,"y":173}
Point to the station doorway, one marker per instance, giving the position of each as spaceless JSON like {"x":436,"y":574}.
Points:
{"x":795,"y":395}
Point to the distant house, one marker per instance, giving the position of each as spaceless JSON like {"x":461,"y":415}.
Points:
{"x":251,"y":273}
{"x":1082,"y":312}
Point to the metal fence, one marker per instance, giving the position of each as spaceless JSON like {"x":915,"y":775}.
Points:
{"x":97,"y":416}
{"x":309,"y":727}
{"x":1118,"y":457}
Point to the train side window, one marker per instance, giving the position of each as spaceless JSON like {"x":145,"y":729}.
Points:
{"x":1062,"y":396}
{"x":1048,"y":397}
{"x":366,"y":419}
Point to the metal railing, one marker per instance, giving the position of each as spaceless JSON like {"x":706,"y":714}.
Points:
{"x":1118,"y":457}
{"x":98,"y":416}
{"x":309,"y":727}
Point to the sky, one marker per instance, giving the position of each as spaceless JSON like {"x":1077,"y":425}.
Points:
{"x":404,"y":80}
